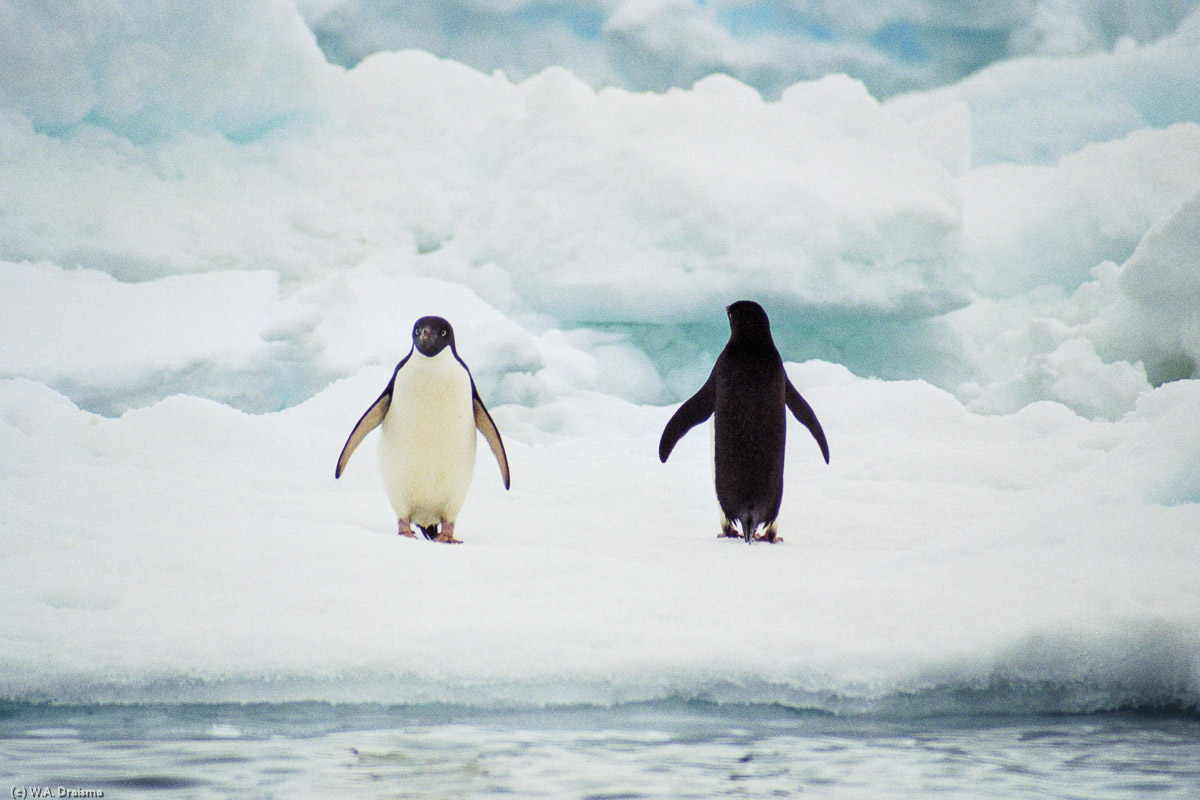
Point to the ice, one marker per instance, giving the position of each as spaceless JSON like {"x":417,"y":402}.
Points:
{"x":232,"y":337}
{"x":146,"y":69}
{"x":1040,"y":109}
{"x":189,"y":551}
{"x":83,"y":330}
{"x":213,"y":245}
{"x":1129,"y":327}
{"x":588,"y":202}
{"x":658,"y":44}
{"x":1031,"y":225}
{"x":1159,"y":286}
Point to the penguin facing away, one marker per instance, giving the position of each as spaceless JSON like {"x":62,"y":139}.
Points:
{"x":746,"y":394}
{"x":427,"y":418}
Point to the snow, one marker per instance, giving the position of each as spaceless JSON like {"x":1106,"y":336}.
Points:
{"x":189,"y":551}
{"x":214,"y":243}
{"x":143,"y":68}
{"x":1031,"y":225}
{"x":656,"y":44}
{"x":1041,"y":109}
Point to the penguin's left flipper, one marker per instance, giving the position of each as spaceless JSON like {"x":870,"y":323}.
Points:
{"x":483,"y":421}
{"x":369,"y":422}
{"x":803,"y":412}
{"x":695,"y":410}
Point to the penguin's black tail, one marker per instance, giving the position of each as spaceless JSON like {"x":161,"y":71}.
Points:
{"x":749,"y":524}
{"x":430,"y":532}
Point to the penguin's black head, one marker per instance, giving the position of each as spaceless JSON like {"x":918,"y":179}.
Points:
{"x":747,"y":320}
{"x":431,"y":335}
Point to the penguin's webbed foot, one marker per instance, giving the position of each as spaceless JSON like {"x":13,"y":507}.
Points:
{"x":769,"y":536}
{"x":446,"y":534}
{"x":405,"y":529}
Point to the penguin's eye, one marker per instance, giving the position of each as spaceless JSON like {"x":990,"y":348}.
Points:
{"x":443,"y":334}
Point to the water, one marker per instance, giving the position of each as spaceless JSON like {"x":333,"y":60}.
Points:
{"x":655,"y":750}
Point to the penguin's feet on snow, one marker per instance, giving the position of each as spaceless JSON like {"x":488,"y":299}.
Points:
{"x":405,"y":529}
{"x":446,"y":534}
{"x":768,"y":535}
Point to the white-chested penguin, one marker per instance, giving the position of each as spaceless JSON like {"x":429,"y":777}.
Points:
{"x":746,"y":395}
{"x":427,"y":418}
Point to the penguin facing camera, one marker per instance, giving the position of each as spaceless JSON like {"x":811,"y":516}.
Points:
{"x":746,"y":394}
{"x":427,"y":418}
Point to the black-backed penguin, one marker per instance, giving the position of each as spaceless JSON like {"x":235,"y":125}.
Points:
{"x":427,"y":418}
{"x":746,"y":394}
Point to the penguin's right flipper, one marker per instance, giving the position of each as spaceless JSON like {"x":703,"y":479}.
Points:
{"x":803,"y":412}
{"x":698,"y":408}
{"x":369,"y":422}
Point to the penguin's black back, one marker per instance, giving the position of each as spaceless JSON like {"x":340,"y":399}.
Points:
{"x":746,"y":394}
{"x":749,"y":427}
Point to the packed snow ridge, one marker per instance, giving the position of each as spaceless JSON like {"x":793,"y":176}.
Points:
{"x":214,"y":243}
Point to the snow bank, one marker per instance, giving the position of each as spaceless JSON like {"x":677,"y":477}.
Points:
{"x":588,"y":203}
{"x":1028,"y":226}
{"x":213,"y":245}
{"x":1040,"y":109}
{"x":656,"y":45}
{"x":1099,"y":348}
{"x":147,"y":70}
{"x":113,"y":345}
{"x":187,"y":551}
{"x":230,"y":336}
{"x":619,"y":218}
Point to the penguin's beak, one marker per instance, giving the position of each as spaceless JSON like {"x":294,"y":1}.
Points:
{"x":425,"y":335}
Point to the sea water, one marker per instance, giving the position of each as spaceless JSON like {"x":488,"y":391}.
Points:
{"x":664,"y":749}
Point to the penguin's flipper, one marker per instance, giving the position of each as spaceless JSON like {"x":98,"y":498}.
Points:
{"x":695,"y":410}
{"x":483,"y":421}
{"x":802,"y":411}
{"x":369,"y":422}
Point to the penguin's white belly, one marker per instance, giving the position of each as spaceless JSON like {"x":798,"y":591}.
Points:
{"x":427,"y":442}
